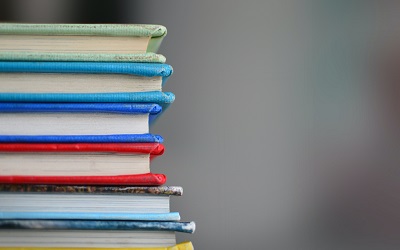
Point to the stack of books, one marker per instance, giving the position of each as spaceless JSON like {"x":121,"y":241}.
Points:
{"x":76,"y":105}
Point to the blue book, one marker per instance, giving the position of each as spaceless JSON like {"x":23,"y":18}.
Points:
{"x":184,"y":227}
{"x":84,"y":82}
{"x":164,"y":99}
{"x":82,"y":138}
{"x":164,"y":71}
{"x":77,"y":122}
{"x":172,"y":216}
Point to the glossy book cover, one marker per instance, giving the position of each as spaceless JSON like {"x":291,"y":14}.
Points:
{"x":84,"y":189}
{"x":183,"y":227}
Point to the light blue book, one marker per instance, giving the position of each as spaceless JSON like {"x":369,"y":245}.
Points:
{"x":84,"y":82}
{"x":108,"y":68}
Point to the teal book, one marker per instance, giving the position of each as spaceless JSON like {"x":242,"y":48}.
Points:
{"x":84,"y":82}
{"x":164,"y":99}
{"x":81,"y":42}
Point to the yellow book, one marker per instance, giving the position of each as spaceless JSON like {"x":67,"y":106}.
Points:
{"x":182,"y":246}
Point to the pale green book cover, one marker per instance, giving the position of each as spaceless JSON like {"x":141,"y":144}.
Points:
{"x":156,"y":33}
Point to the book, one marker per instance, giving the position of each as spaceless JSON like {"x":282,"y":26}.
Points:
{"x":88,"y":216}
{"x":119,"y":138}
{"x":181,"y":246}
{"x":164,"y":99}
{"x":81,"y":42}
{"x":77,"y":159}
{"x":148,"y":179}
{"x":76,"y":118}
{"x":82,"y":77}
{"x":81,"y":233}
{"x":38,"y":200}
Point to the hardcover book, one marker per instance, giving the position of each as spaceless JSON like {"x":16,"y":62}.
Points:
{"x":81,"y":42}
{"x":148,"y":179}
{"x":59,"y":201}
{"x":78,"y":233}
{"x":119,"y":138}
{"x":164,"y":99}
{"x":76,"y":119}
{"x":82,"y":77}
{"x":77,"y":159}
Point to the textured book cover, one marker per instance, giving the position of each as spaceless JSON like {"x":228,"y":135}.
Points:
{"x":149,"y":179}
{"x":153,"y":149}
{"x":116,"y":108}
{"x":156,"y":33}
{"x":183,"y":227}
{"x":83,"y":189}
{"x":164,"y":99}
{"x":139,"y":69}
{"x":82,"y":57}
{"x":182,"y":246}
{"x":120,"y":138}
{"x":120,"y":108}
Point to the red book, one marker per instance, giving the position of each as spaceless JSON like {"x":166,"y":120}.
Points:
{"x":80,"y":163}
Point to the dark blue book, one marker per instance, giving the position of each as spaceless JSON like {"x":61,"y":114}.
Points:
{"x":77,"y":122}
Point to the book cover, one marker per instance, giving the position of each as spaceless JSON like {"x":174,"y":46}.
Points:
{"x":83,"y":189}
{"x":120,"y":138}
{"x":140,"y":69}
{"x":117,"y":108}
{"x":121,"y":148}
{"x":181,"y":246}
{"x":82,"y":57}
{"x":164,"y":99}
{"x":148,"y":179}
{"x":154,"y":31}
{"x":183,"y":227}
{"x":172,"y":216}
{"x":153,"y":149}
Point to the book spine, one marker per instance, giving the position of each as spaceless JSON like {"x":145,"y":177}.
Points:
{"x":148,"y":179}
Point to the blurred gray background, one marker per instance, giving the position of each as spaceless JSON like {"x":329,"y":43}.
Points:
{"x":270,"y":134}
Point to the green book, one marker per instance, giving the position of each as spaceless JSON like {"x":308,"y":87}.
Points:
{"x":81,"y":42}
